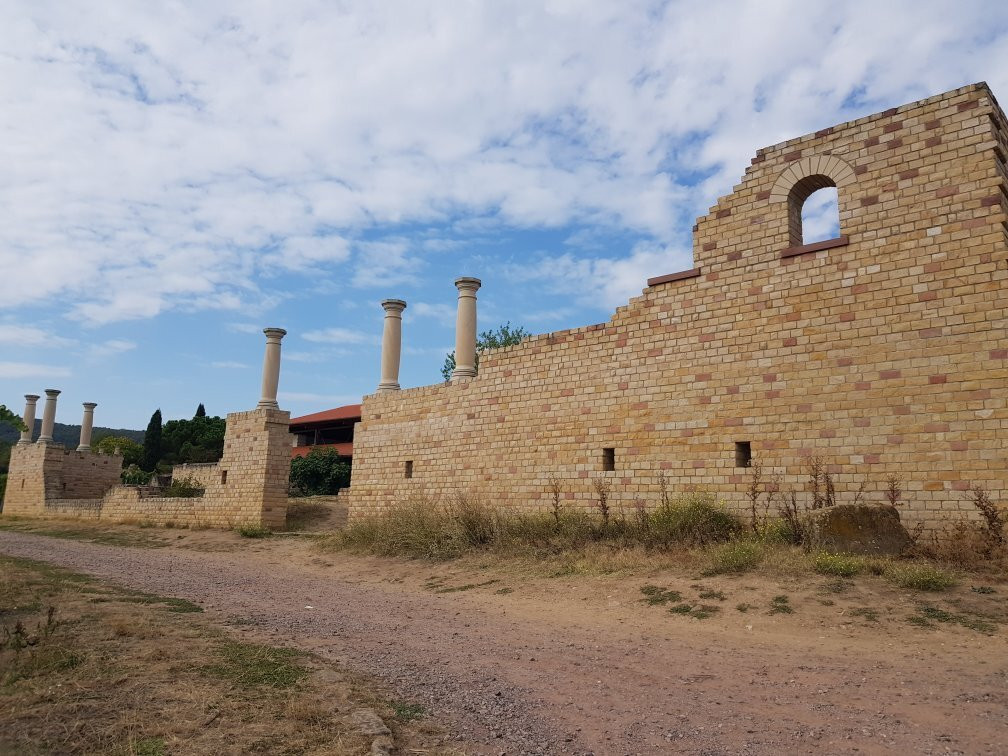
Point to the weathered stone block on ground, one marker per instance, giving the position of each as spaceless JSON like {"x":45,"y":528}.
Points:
{"x":860,"y":529}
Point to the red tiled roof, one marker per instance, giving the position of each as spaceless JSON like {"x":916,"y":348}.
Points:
{"x":344,"y":449}
{"x":348,"y":412}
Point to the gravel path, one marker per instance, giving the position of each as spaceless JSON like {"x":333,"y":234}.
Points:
{"x":548,"y":676}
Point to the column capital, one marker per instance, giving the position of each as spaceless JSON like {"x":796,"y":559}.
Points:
{"x":393,"y":306}
{"x":31,"y":397}
{"x":467,"y":284}
{"x":53,"y":392}
{"x":274,"y":333}
{"x":90,"y":405}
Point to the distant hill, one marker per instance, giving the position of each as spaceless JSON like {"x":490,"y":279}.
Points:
{"x":69,"y":435}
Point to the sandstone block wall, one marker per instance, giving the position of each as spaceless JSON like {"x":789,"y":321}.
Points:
{"x":883,"y":351}
{"x":248,"y":485}
{"x":40,"y":473}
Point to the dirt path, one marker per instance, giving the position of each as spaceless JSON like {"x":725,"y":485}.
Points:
{"x":572,"y":670}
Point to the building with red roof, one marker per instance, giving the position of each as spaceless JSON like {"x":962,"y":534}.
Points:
{"x":329,"y":429}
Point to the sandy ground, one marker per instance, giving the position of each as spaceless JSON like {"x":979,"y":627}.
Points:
{"x":582,"y":664}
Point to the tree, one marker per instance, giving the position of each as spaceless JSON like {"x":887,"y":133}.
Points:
{"x":198,"y":440}
{"x":9,"y":418}
{"x":321,"y":472}
{"x":131,"y":451}
{"x":152,"y":443}
{"x":504,"y":336}
{"x":201,"y":410}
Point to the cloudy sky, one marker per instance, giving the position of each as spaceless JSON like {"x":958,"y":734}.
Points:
{"x":174,"y":176}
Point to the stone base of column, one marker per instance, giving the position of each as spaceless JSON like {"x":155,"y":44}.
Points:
{"x":84,"y":448}
{"x":384,"y":388}
{"x":45,"y":441}
{"x":463,"y":373}
{"x":264,"y":404}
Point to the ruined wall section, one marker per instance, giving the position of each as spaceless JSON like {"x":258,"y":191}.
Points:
{"x":41,"y":473}
{"x":248,"y":485}
{"x":884,"y":353}
{"x":205,"y":474}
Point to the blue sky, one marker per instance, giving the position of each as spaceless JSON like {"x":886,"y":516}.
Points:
{"x":175,"y":177}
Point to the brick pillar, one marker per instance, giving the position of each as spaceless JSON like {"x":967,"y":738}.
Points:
{"x":29,"y":419}
{"x":391,"y":344}
{"x":48,"y":417}
{"x":465,"y":328}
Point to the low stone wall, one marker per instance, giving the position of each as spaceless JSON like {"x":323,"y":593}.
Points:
{"x":80,"y":508}
{"x":204,"y":473}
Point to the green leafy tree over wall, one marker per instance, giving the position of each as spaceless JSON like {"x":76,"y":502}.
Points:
{"x":503,"y":336}
{"x":131,"y":451}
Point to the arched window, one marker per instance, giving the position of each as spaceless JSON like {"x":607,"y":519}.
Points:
{"x":820,"y":216}
{"x":813,"y":213}
{"x":809,"y":188}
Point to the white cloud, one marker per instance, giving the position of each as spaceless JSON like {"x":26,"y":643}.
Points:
{"x":179,"y":156}
{"x":443,"y":313}
{"x":112,"y":347}
{"x":31,"y":370}
{"x":29,"y":336}
{"x":340,"y":336}
{"x":229,"y":365}
{"x":245,"y":328}
{"x":600,"y":282}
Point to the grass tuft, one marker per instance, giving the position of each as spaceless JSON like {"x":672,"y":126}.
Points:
{"x":251,"y":530}
{"x":250,"y":665}
{"x":921,"y":577}
{"x":838,"y":565}
{"x":734,"y":558}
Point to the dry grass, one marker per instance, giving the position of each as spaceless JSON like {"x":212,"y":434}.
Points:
{"x":78,"y":530}
{"x":86,"y":668}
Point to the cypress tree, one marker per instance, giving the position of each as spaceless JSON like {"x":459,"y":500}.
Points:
{"x":201,"y":410}
{"x":152,"y":443}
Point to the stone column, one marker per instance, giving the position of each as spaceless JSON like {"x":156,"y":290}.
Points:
{"x":465,"y":328}
{"x":29,"y":419}
{"x":271,"y":369}
{"x":391,"y":345}
{"x":85,"y":427}
{"x":48,"y":416}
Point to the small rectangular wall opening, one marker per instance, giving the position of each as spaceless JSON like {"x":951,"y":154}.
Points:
{"x":743,"y":454}
{"x":408,"y":468}
{"x":223,"y":477}
{"x":608,"y":459}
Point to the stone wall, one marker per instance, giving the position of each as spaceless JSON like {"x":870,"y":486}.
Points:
{"x":206,"y":474}
{"x":883,"y":351}
{"x":248,"y":485}
{"x":46,"y":472}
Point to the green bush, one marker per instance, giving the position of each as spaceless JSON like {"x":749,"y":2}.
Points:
{"x":183,"y":488}
{"x":134,"y":476}
{"x":693,"y":519}
{"x":920,"y":577}
{"x":838,"y":565}
{"x":734,"y":558}
{"x":322,"y":472}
